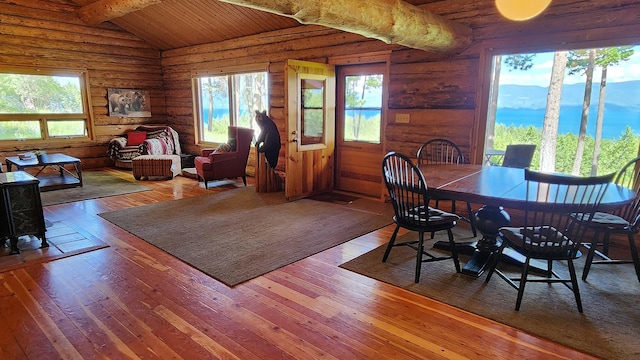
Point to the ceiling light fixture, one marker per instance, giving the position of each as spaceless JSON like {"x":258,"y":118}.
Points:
{"x":519,"y":10}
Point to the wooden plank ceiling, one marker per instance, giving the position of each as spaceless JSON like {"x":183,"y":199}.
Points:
{"x":171,"y":24}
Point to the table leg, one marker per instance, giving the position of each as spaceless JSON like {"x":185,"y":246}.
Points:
{"x":489,"y":220}
{"x":13,"y":240}
{"x":78,"y":167}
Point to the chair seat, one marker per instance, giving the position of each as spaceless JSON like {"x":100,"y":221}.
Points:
{"x":432,"y":217}
{"x":540,"y":241}
{"x":609,"y":221}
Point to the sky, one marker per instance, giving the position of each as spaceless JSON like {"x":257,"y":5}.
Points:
{"x":540,"y":73}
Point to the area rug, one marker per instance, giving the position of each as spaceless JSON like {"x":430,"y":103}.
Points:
{"x":239,"y":234}
{"x":608,"y":328}
{"x":95,"y":184}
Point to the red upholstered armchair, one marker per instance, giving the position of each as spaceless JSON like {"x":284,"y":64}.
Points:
{"x":215,"y":164}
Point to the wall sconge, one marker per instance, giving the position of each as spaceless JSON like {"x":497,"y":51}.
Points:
{"x":519,"y":10}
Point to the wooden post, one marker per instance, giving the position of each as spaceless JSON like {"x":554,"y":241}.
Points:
{"x":267,"y":179}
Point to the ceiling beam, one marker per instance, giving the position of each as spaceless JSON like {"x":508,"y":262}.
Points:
{"x":392,"y":21}
{"x":104,"y":10}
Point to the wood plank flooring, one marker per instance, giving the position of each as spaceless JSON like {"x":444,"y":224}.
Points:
{"x":133,"y":301}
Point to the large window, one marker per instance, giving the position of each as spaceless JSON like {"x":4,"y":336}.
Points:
{"x":579,"y":107}
{"x":43,"y":104}
{"x":228,"y":100}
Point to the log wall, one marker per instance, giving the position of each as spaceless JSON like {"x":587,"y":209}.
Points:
{"x":440,"y":92}
{"x":48,"y":34}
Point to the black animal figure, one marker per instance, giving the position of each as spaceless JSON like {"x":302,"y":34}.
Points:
{"x":269,"y":140}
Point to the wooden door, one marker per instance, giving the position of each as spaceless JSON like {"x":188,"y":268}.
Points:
{"x":310,"y":113}
{"x":360,"y":115}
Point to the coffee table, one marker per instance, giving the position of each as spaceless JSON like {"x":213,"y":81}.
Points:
{"x":65,"y":178}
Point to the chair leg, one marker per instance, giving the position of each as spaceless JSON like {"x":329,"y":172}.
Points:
{"x":605,"y":244}
{"x":523,"y":281}
{"x":549,"y":269}
{"x":634,"y":255}
{"x":391,"y":242}
{"x":472,"y":220}
{"x":454,"y":252}
{"x":574,"y":284}
{"x":244,"y":180}
{"x":433,"y":234}
{"x":419,"y":255}
{"x":590,"y":254}
{"x":495,"y":258}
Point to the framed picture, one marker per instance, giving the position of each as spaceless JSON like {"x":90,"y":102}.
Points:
{"x":128,"y":103}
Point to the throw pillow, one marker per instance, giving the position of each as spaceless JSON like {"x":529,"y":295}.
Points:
{"x":224,"y":147}
{"x":135,"y":138}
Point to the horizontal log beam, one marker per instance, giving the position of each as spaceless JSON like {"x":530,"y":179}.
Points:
{"x":394,"y":22}
{"x":104,"y":10}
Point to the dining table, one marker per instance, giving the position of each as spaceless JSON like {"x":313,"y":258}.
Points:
{"x":498,"y":189}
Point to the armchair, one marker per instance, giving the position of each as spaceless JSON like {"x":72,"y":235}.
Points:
{"x":214,"y":165}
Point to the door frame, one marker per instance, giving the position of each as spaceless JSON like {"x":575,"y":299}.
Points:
{"x":382,"y":58}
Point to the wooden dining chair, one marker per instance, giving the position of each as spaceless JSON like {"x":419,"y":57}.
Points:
{"x":622,"y":221}
{"x":518,"y":155}
{"x":408,"y":192}
{"x":550,"y":232}
{"x":443,"y":151}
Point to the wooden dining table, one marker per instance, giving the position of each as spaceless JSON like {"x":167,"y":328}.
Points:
{"x":498,"y":189}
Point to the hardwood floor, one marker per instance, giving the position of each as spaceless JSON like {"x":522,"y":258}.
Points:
{"x":132,"y":300}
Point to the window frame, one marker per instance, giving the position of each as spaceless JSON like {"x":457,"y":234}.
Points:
{"x":225,"y":71}
{"x":44,"y":118}
{"x":528,"y":44}
{"x":307,"y":142}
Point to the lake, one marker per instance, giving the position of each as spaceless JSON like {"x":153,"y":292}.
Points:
{"x":616,"y":119}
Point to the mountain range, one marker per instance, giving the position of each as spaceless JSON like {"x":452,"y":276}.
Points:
{"x":623,"y":94}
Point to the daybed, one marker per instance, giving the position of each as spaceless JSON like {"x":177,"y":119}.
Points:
{"x":144,"y":140}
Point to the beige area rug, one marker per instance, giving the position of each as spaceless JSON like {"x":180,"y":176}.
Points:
{"x":239,"y":234}
{"x":95,"y":184}
{"x":64,"y":241}
{"x":608,"y":328}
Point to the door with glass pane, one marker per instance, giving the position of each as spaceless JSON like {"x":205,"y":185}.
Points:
{"x":360,"y":115}
{"x":310,"y":112}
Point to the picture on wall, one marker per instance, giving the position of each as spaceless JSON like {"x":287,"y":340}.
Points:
{"x":128,"y":103}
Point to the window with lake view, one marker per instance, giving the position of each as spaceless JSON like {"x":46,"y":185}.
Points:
{"x":229,"y":100}
{"x":580,"y":107}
